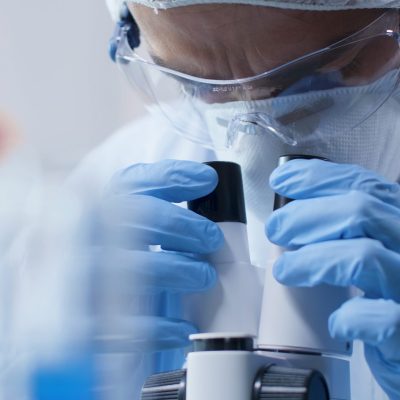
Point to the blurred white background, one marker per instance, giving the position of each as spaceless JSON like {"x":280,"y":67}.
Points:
{"x":56,"y":79}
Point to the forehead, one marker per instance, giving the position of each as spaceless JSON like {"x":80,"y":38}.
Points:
{"x":229,"y":36}
{"x":217,"y":18}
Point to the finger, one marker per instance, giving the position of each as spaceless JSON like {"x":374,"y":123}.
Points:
{"x":364,"y":263}
{"x":170,"y":180}
{"x":375,"y":322}
{"x":351,"y":215}
{"x":139,"y":220}
{"x":143,"y":334}
{"x":302,"y":179}
{"x":138,"y":272}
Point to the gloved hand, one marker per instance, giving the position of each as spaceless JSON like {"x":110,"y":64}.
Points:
{"x":344,"y":229}
{"x":139,"y":213}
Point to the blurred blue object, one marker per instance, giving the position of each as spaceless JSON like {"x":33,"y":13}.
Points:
{"x":73,"y":379}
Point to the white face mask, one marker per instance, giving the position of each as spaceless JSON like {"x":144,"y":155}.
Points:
{"x":320,"y":123}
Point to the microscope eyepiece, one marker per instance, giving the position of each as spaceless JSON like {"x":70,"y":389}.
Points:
{"x":226,"y":202}
{"x":281,"y":201}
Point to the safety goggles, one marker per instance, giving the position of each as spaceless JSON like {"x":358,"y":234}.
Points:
{"x":369,"y":57}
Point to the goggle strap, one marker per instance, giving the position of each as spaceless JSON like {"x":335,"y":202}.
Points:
{"x":128,"y":25}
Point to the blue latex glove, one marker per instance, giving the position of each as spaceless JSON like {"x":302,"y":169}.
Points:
{"x":344,"y":229}
{"x":139,"y":212}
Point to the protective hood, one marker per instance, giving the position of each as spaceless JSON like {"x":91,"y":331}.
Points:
{"x":316,"y":5}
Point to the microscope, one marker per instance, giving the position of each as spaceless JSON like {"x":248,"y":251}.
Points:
{"x":258,"y":341}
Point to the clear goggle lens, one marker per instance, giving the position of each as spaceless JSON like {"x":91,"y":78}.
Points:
{"x":352,"y":77}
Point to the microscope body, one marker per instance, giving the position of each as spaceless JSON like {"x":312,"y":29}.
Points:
{"x":260,"y":341}
{"x":234,"y":304}
{"x":290,"y":331}
{"x":252,"y":375}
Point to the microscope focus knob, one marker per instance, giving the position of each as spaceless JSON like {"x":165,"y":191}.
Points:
{"x":273,"y":382}
{"x":167,"y":385}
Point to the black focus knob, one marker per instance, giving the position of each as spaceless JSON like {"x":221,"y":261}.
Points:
{"x":168,"y":385}
{"x":273,"y":383}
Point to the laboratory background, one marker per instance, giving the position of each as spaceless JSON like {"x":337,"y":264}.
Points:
{"x":60,"y":97}
{"x":74,"y":303}
{"x":56,"y":80}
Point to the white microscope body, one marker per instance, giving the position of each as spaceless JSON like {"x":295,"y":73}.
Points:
{"x":293,"y":357}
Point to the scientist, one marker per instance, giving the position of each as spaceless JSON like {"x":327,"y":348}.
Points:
{"x":249,"y":82}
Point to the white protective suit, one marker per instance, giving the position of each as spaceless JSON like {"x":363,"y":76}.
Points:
{"x":152,"y":139}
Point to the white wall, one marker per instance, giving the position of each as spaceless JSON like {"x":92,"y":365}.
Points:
{"x":56,"y":78}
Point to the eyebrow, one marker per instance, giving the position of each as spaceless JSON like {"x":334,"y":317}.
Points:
{"x":159,"y":61}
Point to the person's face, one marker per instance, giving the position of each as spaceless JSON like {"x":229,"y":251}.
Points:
{"x":235,"y":41}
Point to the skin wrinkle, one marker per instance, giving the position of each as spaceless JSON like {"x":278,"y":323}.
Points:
{"x":227,"y":56}
{"x":224,"y":28}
